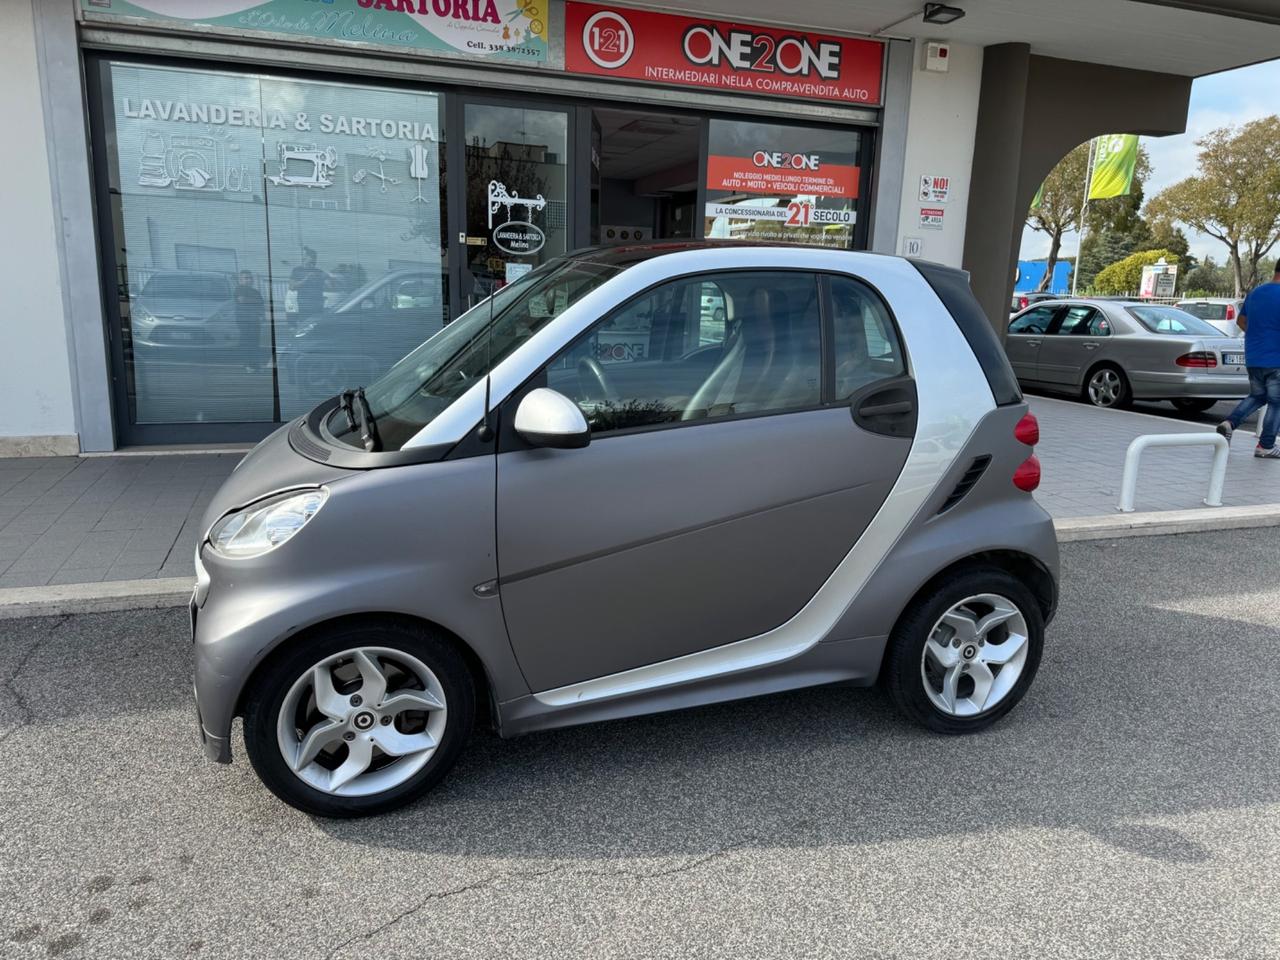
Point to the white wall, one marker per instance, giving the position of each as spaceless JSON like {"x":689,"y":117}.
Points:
{"x":941,"y":122}
{"x":35,"y":375}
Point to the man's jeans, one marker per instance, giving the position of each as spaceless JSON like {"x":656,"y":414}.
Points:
{"x":1264,"y":391}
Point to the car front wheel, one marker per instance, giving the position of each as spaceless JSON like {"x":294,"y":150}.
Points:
{"x":359,"y":719}
{"x":965,"y":652}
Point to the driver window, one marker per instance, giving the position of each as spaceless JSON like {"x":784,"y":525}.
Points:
{"x":1034,"y":322}
{"x":697,"y":348}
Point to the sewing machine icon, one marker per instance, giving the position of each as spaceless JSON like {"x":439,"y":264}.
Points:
{"x":323,"y":163}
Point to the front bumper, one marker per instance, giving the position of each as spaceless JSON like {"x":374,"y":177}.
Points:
{"x":217,"y":749}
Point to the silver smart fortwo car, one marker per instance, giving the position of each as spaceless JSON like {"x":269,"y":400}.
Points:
{"x":590,"y":498}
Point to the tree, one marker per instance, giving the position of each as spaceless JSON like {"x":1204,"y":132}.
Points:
{"x":1234,"y":198}
{"x":1103,"y":247}
{"x":1165,"y":236}
{"x":1060,"y":200}
{"x":1125,"y":277}
{"x":1207,"y":279}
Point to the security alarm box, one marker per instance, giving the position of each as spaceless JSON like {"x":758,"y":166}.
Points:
{"x":937,"y":56}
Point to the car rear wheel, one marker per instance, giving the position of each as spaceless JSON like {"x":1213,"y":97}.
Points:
{"x":1108,"y":387}
{"x":965,"y":652}
{"x":359,"y":719}
{"x":1189,"y":405}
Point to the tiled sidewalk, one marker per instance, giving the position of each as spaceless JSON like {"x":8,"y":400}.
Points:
{"x":1082,"y":453}
{"x":79,"y":520}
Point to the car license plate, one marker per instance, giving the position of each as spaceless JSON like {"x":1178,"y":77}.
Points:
{"x":1233,"y":359}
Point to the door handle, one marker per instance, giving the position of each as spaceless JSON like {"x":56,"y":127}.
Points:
{"x":886,"y":409}
{"x":1091,"y":346}
{"x":1033,"y":343}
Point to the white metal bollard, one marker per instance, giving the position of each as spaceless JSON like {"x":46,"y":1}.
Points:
{"x":1218,"y":476}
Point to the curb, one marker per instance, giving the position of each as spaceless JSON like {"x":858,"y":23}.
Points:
{"x":1166,"y":522}
{"x":105,"y":597}
{"x":115,"y":595}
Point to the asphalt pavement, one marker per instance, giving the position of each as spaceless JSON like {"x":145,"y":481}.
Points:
{"x":1130,"y":807}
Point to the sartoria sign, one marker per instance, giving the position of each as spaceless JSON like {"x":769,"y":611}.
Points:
{"x":216,"y":114}
{"x":497,"y":29}
{"x":667,"y":48}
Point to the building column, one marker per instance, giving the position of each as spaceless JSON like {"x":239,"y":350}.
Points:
{"x":1032,"y":112}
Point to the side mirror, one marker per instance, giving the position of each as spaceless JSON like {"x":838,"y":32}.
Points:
{"x":546,"y":418}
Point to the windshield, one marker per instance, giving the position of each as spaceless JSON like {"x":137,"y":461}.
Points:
{"x":1173,"y":322}
{"x":419,"y":387}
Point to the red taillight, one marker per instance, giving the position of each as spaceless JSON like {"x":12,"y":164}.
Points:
{"x":1028,"y":430}
{"x":1201,"y":358}
{"x":1027,"y":476}
{"x":1022,"y":303}
{"x":1231,"y":311}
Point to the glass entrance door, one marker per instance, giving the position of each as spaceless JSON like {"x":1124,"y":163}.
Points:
{"x":516,"y":172}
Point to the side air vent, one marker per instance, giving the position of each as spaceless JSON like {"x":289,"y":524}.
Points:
{"x":299,"y":440}
{"x":971,"y":476}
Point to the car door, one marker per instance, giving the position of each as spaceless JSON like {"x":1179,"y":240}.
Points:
{"x":1026,"y":334}
{"x":1068,"y":349}
{"x":703,"y":511}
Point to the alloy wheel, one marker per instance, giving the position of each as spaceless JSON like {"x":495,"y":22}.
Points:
{"x":974,"y":655}
{"x":362,"y":721}
{"x":1105,"y":388}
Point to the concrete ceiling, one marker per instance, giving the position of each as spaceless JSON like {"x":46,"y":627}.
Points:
{"x":1167,"y":36}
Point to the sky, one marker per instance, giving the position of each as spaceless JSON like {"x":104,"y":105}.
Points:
{"x":1230,"y":98}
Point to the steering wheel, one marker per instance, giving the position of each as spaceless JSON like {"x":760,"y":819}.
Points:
{"x":593,"y":381}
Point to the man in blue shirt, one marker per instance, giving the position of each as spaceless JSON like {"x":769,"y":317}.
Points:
{"x":1260,"y":321}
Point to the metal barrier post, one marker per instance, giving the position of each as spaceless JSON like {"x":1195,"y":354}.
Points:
{"x":1132,"y":457}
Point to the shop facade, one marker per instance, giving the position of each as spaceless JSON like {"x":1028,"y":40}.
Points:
{"x":282,"y":213}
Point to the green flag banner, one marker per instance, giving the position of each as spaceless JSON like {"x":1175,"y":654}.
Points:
{"x":1114,"y":158}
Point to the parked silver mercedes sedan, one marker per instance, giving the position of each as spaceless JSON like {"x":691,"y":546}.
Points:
{"x":1112,"y":352}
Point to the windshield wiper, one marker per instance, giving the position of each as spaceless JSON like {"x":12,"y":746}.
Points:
{"x":355,"y":405}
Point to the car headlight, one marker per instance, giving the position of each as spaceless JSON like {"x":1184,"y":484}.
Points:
{"x":263,"y":526}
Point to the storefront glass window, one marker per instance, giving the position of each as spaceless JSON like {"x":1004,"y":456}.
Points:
{"x":517,"y":177}
{"x":782,"y":184}
{"x":277,"y":240}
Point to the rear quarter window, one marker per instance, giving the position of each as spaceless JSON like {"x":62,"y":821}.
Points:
{"x":952,"y":288}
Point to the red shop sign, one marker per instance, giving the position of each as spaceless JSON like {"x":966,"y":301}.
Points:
{"x":782,"y":174}
{"x":698,"y":52}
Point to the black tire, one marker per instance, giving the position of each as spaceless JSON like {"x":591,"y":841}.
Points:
{"x":1190,"y":405}
{"x":273,"y":681}
{"x":1124,"y":396}
{"x":901,"y":674}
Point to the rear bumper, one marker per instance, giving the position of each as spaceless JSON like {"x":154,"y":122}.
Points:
{"x":1206,"y":386}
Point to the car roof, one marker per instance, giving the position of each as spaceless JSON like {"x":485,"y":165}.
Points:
{"x":627,"y":255}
